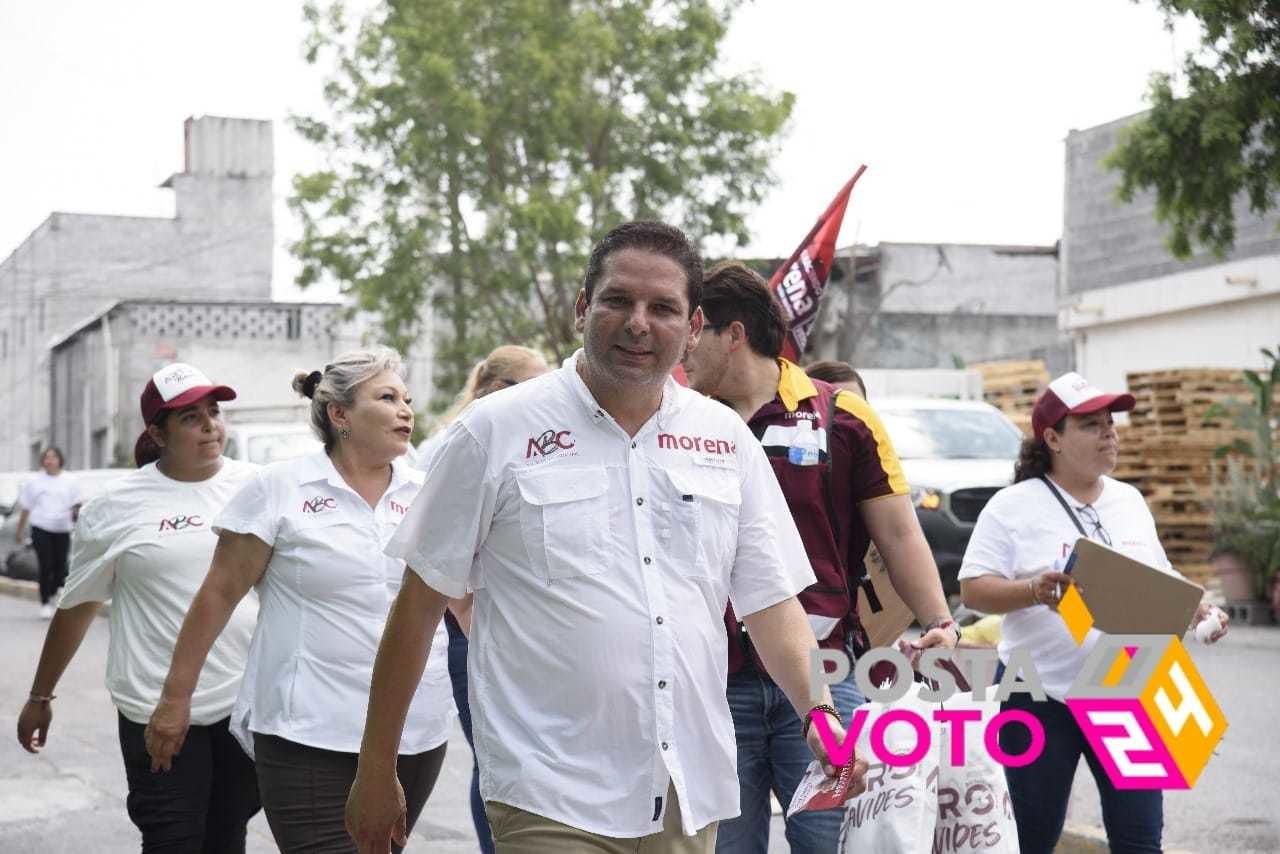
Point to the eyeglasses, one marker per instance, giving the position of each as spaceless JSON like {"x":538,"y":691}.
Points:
{"x":1090,"y":516}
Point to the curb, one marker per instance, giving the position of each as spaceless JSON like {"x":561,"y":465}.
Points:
{"x":1087,"y":839}
{"x":31,"y":590}
{"x":20,"y":589}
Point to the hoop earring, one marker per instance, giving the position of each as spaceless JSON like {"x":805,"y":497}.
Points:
{"x":344,"y":433}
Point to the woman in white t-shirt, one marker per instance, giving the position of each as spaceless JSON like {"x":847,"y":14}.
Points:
{"x":1022,"y":538}
{"x":50,"y":501}
{"x":309,"y":533}
{"x":146,"y":544}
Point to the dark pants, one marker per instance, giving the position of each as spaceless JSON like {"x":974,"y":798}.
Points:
{"x":458,"y":647}
{"x":1134,"y":819}
{"x":51,"y":556}
{"x":200,"y":805}
{"x":772,"y":757}
{"x":304,"y":792}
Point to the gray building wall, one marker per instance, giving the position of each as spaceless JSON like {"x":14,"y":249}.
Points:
{"x":218,"y":246}
{"x":925,"y":305}
{"x":255,"y":347}
{"x":1106,"y":243}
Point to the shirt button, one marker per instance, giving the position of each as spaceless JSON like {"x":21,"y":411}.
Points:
{"x":633,"y":444}
{"x":659,"y":621}
{"x":647,"y":561}
{"x":639,"y":502}
{"x":662,"y":683}
{"x":664,"y":745}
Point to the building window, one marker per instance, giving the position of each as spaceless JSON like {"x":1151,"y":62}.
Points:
{"x":98,"y":454}
{"x":293,"y":321}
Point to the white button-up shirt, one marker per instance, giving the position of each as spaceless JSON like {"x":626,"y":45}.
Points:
{"x":324,"y":602}
{"x":601,"y":564}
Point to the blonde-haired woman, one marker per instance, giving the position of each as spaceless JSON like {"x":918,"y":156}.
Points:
{"x":506,"y":366}
{"x":309,"y":534}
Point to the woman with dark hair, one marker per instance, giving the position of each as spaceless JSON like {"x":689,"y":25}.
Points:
{"x":145,"y":544}
{"x":50,"y":500}
{"x":839,"y":374}
{"x":1062,"y":491}
{"x":309,"y":534}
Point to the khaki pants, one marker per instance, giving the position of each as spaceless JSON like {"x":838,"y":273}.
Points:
{"x":518,"y":832}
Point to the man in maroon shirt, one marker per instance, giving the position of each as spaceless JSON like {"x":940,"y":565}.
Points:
{"x":845,"y":488}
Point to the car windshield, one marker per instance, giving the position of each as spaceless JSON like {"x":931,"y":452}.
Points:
{"x":270,"y":447}
{"x":951,"y":434}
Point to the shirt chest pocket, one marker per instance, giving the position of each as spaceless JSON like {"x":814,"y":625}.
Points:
{"x":334,"y":553}
{"x":564,"y":519}
{"x":697,"y":520}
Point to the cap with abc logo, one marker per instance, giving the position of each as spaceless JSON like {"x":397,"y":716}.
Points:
{"x":173,"y":387}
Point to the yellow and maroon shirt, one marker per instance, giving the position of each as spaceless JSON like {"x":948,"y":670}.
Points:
{"x":855,"y":463}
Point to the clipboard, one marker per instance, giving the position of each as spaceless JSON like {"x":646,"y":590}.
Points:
{"x":885,"y":626}
{"x":1128,"y":597}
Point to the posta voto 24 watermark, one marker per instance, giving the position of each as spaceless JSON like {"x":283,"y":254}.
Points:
{"x":1139,"y":700}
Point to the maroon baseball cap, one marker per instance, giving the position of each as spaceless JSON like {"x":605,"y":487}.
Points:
{"x":1072,"y":394}
{"x":177,"y":385}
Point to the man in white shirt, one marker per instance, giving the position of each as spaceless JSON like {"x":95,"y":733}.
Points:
{"x":603,"y":516}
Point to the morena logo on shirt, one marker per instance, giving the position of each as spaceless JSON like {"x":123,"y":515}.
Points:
{"x":319,"y":504}
{"x":180,"y":523}
{"x":548,"y":443}
{"x":697,"y":443}
{"x":397,"y":507}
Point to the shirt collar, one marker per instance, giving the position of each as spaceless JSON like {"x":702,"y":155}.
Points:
{"x":667,"y":410}
{"x":318,"y":466}
{"x":794,"y":385}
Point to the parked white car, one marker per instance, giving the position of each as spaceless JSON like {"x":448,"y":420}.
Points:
{"x":267,"y":442}
{"x":956,"y":454}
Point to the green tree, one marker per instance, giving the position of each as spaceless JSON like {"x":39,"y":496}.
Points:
{"x":1202,"y":150}
{"x":477,"y":147}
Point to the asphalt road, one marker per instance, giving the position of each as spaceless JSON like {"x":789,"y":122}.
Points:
{"x":70,"y":798}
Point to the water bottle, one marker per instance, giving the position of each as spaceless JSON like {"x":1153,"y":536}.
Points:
{"x":804,"y":446}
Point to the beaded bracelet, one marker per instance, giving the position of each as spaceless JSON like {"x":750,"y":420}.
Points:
{"x":808,"y":720}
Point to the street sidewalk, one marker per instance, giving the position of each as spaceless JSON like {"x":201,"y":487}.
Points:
{"x":70,"y":798}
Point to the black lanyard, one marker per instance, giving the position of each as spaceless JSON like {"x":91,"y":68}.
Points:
{"x":1075,"y":520}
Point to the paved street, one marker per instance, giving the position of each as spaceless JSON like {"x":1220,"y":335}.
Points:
{"x":70,"y":798}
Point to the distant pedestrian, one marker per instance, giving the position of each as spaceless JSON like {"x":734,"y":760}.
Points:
{"x":506,"y":366}
{"x":145,"y":544}
{"x":50,"y":501}
{"x":839,"y":374}
{"x":309,"y":534}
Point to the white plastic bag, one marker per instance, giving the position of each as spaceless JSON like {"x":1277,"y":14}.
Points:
{"x":898,"y":810}
{"x":975,"y":813}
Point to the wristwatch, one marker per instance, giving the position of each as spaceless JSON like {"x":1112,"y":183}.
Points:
{"x":944,"y":623}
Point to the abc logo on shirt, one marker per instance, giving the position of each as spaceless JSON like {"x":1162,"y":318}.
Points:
{"x":180,"y":523}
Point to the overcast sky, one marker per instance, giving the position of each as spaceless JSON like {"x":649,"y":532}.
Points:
{"x":958,"y":109}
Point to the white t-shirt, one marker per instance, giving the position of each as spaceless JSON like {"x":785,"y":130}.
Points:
{"x":601,"y":565}
{"x":49,"y":500}
{"x":325,"y":597}
{"x":1023,"y":531}
{"x":146,"y":544}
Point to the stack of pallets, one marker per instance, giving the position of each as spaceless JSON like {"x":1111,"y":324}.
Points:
{"x":1166,"y":451}
{"x":1012,"y":388}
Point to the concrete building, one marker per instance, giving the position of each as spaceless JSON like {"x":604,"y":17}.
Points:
{"x":98,"y":368}
{"x":91,"y":305}
{"x":218,"y":246}
{"x":1130,"y":306}
{"x":931,"y":305}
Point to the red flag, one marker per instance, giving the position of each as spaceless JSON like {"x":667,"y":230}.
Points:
{"x":800,"y":281}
